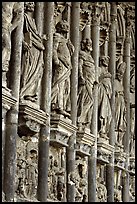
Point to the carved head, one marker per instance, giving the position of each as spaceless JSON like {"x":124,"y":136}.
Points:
{"x":104,"y":60}
{"x":119,"y":46}
{"x":120,"y":71}
{"x":86,"y":44}
{"x":29,"y":6}
{"x":62,"y":27}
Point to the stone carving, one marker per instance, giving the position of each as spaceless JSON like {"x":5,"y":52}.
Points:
{"x":58,"y":10}
{"x":86,"y":83}
{"x":11,"y":17}
{"x":101,"y":191}
{"x":56,"y":177}
{"x":132,"y":188}
{"x":62,"y":51}
{"x":79,"y":179}
{"x":117,"y":195}
{"x":120,"y":109}
{"x":27,"y":171}
{"x":32,"y":58}
{"x":104,"y":96}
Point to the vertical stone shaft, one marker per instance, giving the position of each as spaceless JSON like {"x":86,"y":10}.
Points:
{"x":126,"y":83}
{"x":4,"y":111}
{"x":12,"y":115}
{"x":39,"y":24}
{"x":44,"y":137}
{"x":95,"y":34}
{"x":87,"y":31}
{"x":74,"y":36}
{"x":112,"y":69}
{"x":39,"y":16}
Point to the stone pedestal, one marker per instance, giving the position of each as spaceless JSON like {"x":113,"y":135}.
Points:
{"x":120,"y":158}
{"x":84,"y":141}
{"x":61,"y":130}
{"x":104,"y":150}
{"x":30,"y":119}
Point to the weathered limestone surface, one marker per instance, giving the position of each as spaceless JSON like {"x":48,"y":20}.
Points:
{"x":68,"y":101}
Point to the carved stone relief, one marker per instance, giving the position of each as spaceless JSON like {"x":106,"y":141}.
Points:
{"x":132,"y":188}
{"x":62,"y":51}
{"x":27,"y":170}
{"x":32,"y":57}
{"x":10,"y":20}
{"x":86,"y":83}
{"x":60,"y":125}
{"x":79,"y":179}
{"x":104,"y":96}
{"x":57,"y":174}
{"x":101,"y":191}
{"x":120,"y":109}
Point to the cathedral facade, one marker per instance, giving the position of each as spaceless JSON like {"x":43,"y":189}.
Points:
{"x":68,"y":101}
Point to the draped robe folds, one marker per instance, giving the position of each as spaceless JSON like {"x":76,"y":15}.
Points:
{"x":104,"y":96}
{"x":85,"y":97}
{"x":61,"y":72}
{"x":120,"y":110}
{"x":32,"y":61}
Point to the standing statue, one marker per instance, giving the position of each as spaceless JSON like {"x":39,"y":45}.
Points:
{"x":120,"y":108}
{"x":86,"y":82}
{"x":32,"y":59}
{"x":11,"y":17}
{"x":62,"y":51}
{"x":104,"y":96}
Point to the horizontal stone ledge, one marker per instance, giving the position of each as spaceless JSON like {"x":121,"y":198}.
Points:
{"x":58,"y":122}
{"x":8,"y":100}
{"x":31,"y":112}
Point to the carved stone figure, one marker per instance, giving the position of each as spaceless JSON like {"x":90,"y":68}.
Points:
{"x":117,"y":195}
{"x":31,"y":174}
{"x":120,"y":109}
{"x":32,"y":59}
{"x":62,"y":51}
{"x":79,"y":178}
{"x":101,"y":190}
{"x":60,"y":184}
{"x":59,"y":8}
{"x":56,"y":176}
{"x":10,"y":20}
{"x":86,"y":82}
{"x":104,"y":96}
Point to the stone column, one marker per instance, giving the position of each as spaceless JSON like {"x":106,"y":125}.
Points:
{"x":74,"y":36}
{"x":112,"y":69}
{"x":87,"y":30}
{"x":126,"y":83}
{"x":39,"y":17}
{"x":12,"y":114}
{"x":94,"y":125}
{"x":44,"y":137}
